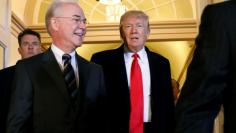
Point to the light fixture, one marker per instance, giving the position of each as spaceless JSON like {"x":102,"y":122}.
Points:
{"x":113,"y":12}
{"x":114,"y":9}
{"x":109,"y":2}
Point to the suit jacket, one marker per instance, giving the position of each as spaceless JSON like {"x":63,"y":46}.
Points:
{"x":6,"y":78}
{"x":40,"y":101}
{"x":162,"y":103}
{"x":211,"y":77}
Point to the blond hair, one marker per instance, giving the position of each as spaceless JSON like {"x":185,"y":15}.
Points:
{"x":133,"y":13}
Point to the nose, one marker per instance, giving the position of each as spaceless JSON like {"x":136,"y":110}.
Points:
{"x":82,"y":25}
{"x":30,"y":46}
{"x":134,"y":29}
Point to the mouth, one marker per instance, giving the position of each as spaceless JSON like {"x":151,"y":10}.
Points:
{"x":134,"y":38}
{"x":79,"y":34}
{"x":30,"y":53}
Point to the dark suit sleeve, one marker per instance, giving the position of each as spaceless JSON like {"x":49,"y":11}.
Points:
{"x":202,"y":93}
{"x":20,"y":111}
{"x":95,"y":58}
{"x":103,"y":126}
{"x":6,"y":77}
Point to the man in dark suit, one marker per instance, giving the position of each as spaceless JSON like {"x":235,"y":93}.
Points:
{"x":158,"y":108}
{"x":211,"y":76}
{"x":58,"y":91}
{"x":29,"y":45}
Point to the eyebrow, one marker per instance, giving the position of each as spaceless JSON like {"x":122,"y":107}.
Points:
{"x":30,"y":41}
{"x":134,"y":24}
{"x":78,"y":16}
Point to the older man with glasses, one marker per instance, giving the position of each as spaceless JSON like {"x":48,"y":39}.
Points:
{"x":59,"y":91}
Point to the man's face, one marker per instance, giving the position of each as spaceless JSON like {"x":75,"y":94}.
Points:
{"x":30,"y":46}
{"x":135,"y":33}
{"x":70,"y":26}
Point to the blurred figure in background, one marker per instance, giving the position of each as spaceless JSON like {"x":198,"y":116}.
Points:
{"x":29,"y":45}
{"x":176,"y":90}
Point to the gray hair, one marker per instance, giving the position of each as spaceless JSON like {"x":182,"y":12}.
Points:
{"x":51,"y":12}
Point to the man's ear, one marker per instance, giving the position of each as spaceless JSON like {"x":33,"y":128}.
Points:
{"x":122,"y":33}
{"x":148,"y":32}
{"x":54,"y":24}
{"x":19,"y":50}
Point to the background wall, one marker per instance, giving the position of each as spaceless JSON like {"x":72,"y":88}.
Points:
{"x":173,"y":39}
{"x":4,"y":31}
{"x":13,"y":55}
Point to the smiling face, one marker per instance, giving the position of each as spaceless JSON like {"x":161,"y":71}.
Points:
{"x":134,"y":30}
{"x":69,"y":27}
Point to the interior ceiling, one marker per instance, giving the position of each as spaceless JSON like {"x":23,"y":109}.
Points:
{"x":158,"y":10}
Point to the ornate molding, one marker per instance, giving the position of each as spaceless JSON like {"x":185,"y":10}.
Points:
{"x":17,"y":25}
{"x":183,"y":30}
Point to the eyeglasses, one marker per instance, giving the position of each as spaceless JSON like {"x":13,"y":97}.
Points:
{"x":77,"y":20}
{"x":26,"y":43}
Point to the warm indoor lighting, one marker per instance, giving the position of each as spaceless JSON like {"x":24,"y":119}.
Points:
{"x":109,"y":2}
{"x":114,"y":9}
{"x":113,"y":12}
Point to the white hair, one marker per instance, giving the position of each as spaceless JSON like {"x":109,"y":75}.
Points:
{"x":51,"y":11}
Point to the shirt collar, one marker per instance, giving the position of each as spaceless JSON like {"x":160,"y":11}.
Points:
{"x":128,"y":54}
{"x":59,"y":53}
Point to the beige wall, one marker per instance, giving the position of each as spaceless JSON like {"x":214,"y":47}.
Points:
{"x":13,"y":55}
{"x":1,"y":55}
{"x":4,"y":31}
{"x":19,"y":8}
{"x":9,"y":40}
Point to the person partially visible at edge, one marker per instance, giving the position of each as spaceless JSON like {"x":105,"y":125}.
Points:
{"x":211,"y":76}
{"x":29,"y":45}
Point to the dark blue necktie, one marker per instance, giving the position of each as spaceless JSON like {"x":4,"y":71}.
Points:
{"x":69,"y":77}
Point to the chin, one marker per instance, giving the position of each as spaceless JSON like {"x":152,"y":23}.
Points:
{"x":78,"y":44}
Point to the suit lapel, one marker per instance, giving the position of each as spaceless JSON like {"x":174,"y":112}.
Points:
{"x":83,"y":71}
{"x":121,"y":77}
{"x":51,"y":66}
{"x":155,"y":74}
{"x":121,"y":66}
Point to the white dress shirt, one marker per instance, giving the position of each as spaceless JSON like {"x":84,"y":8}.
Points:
{"x":58,"y":53}
{"x":144,"y":65}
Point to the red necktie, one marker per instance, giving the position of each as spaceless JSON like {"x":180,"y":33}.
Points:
{"x":136,"y":97}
